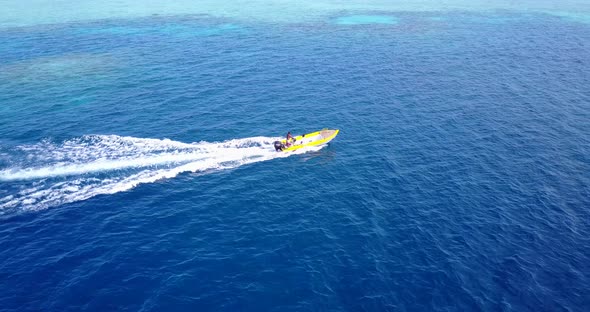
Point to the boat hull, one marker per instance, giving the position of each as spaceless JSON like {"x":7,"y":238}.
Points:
{"x":310,"y":139}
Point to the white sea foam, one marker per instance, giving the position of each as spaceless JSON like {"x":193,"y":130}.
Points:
{"x":48,"y":174}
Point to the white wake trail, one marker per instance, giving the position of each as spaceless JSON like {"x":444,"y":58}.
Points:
{"x":47,"y":174}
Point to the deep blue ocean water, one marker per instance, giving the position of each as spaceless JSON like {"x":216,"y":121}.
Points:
{"x":137,"y":172}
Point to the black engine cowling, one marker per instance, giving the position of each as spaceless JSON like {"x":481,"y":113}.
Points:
{"x":279,"y":146}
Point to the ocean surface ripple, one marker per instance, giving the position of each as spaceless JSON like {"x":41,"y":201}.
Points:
{"x":137,"y":171}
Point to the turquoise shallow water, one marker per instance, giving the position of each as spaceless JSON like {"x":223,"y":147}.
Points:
{"x":137,"y":169}
{"x":365,"y":20}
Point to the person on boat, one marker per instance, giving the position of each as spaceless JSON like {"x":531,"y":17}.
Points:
{"x":289,"y":139}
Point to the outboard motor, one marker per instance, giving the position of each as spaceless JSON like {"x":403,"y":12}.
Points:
{"x":279,"y":146}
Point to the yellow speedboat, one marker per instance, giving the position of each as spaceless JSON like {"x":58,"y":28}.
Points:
{"x":310,"y":139}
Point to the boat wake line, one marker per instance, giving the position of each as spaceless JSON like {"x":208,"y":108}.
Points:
{"x":38,"y":176}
